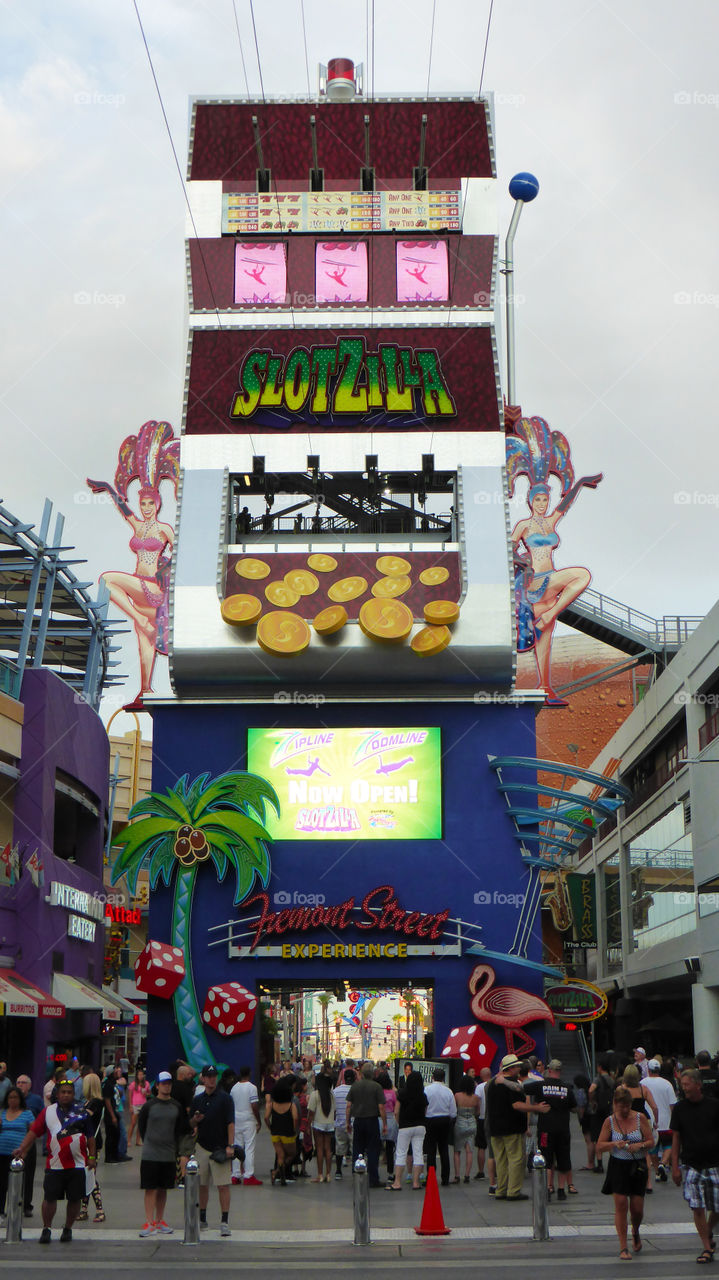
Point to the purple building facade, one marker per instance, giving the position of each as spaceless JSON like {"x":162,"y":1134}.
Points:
{"x":56,"y":928}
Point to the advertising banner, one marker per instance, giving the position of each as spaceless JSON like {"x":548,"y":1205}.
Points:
{"x":583,"y":898}
{"x":576,"y":1001}
{"x":402,"y":379}
{"x":368,"y":784}
{"x":246,"y":212}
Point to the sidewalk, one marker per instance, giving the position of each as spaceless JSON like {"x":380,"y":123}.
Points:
{"x":309,"y":1213}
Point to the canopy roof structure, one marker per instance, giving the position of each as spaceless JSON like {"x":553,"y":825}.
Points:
{"x":47,"y":616}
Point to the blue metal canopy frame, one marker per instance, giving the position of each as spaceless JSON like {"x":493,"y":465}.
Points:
{"x":554,"y":850}
{"x":47,"y":616}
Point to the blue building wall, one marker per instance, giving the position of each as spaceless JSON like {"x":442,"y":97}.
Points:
{"x":477,"y":855}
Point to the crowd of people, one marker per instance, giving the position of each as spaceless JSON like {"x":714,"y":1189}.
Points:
{"x":653,"y":1119}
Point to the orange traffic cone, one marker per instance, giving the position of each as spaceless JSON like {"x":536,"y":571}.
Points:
{"x":432,"y":1223}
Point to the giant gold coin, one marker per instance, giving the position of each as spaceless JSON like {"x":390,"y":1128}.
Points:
{"x":249,"y":568}
{"x":283,"y":633}
{"x":241,"y":611}
{"x":347,"y":589}
{"x":330,"y":620}
{"x":441,"y":612}
{"x":385,"y":620}
{"x":430,"y":640}
{"x":390,"y":588}
{"x":281,"y":594}
{"x":302,"y":581}
{"x":393,"y":566}
{"x":432,"y":577}
{"x":322,"y":563}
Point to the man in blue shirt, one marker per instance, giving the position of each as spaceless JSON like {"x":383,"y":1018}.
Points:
{"x":213,"y":1122}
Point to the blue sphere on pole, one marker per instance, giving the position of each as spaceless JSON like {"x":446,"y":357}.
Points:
{"x":524,"y":186}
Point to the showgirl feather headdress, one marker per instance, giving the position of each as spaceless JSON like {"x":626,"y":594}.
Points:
{"x":151,"y":456}
{"x":538,"y":452}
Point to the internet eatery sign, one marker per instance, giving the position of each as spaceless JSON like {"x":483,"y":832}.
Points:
{"x":372,"y":380}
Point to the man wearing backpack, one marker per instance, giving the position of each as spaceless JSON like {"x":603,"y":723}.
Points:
{"x":601,"y":1092}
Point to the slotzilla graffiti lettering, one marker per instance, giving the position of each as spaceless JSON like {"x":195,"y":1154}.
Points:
{"x":344,"y":379}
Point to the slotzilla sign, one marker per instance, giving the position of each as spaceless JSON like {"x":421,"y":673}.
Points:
{"x":395,"y":378}
{"x":343,"y":378}
{"x":576,"y":1002}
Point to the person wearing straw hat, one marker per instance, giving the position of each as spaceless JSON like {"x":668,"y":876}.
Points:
{"x":507,"y":1110}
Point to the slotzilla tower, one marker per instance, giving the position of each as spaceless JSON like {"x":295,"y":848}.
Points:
{"x":342,"y":593}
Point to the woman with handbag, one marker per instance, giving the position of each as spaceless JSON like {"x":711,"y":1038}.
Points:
{"x":92,"y":1093}
{"x":627,"y":1136}
{"x":643,"y":1102}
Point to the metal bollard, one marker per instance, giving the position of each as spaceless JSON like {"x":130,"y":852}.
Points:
{"x":360,"y":1188}
{"x":540,"y":1220}
{"x":192,"y":1202}
{"x":14,"y":1201}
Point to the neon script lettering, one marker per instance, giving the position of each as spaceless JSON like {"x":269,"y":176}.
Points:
{"x":344,"y":379}
{"x":379,"y":910}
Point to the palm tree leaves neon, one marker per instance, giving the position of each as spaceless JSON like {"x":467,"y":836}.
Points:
{"x":221,"y":808}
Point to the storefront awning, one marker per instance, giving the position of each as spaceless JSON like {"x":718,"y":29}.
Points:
{"x":20,"y":998}
{"x":78,"y":993}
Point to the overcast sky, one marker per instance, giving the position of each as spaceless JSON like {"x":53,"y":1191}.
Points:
{"x":615,"y":107}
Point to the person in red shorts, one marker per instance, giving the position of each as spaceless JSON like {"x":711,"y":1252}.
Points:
{"x":70,"y":1133}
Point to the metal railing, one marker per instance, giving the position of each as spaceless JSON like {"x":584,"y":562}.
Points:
{"x":669,"y":632}
{"x":336,"y":525}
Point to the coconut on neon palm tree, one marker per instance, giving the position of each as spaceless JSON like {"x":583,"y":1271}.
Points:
{"x":208,"y":820}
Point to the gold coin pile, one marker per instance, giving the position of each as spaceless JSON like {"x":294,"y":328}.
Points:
{"x":347,"y":589}
{"x":386,"y":620}
{"x":390,"y":588}
{"x":382,"y":618}
{"x":322,"y":564}
{"x":281,"y":594}
{"x":240,"y":610}
{"x":434,"y":576}
{"x":330,"y":620}
{"x":302,"y":581}
{"x":443,"y":612}
{"x":283,"y":633}
{"x":430,"y":640}
{"x":250,"y":568}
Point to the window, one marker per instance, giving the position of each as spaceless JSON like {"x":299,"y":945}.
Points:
{"x":341,"y":271}
{"x":422,"y":271}
{"x":260,"y":273}
{"x":612,"y":912}
{"x":662,"y":879}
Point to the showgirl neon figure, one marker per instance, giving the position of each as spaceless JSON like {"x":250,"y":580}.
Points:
{"x":153,"y":455}
{"x":541,"y":592}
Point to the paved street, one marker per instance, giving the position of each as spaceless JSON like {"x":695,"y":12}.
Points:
{"x":309,"y":1227}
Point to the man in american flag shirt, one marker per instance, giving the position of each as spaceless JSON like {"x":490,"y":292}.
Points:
{"x":69,"y":1130}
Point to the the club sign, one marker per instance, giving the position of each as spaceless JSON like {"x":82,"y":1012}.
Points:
{"x":576,"y":1001}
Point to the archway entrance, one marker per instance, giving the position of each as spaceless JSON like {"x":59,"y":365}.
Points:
{"x":339,"y":1020}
